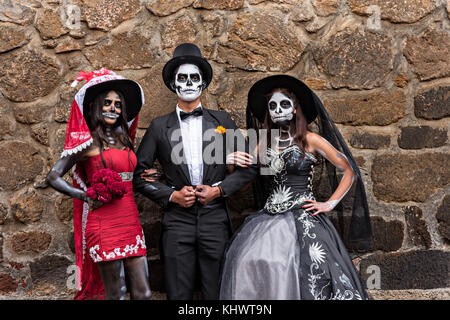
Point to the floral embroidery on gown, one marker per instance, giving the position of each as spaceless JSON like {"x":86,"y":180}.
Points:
{"x":282,"y":252}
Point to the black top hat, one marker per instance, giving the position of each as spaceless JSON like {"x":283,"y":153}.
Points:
{"x":257,"y":100}
{"x":186,"y":53}
{"x":130,"y":89}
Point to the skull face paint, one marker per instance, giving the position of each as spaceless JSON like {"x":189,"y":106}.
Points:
{"x":188,"y":82}
{"x":112,"y":108}
{"x":281,"y":108}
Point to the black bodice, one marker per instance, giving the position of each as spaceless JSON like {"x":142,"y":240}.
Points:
{"x":288,"y":175}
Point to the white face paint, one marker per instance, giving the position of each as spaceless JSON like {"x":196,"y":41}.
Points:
{"x":281,"y":108}
{"x":112,"y":108}
{"x":188,"y":82}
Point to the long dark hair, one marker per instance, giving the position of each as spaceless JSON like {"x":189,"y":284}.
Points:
{"x":97,"y":125}
{"x":298,"y":125}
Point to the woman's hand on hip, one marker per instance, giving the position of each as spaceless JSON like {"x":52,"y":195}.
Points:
{"x":319,"y":206}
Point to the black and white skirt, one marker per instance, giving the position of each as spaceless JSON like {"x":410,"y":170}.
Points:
{"x":288,"y":256}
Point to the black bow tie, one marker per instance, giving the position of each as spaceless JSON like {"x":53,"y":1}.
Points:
{"x":197,"y":112}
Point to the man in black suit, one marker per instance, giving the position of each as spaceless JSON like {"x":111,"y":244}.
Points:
{"x":191,"y":145}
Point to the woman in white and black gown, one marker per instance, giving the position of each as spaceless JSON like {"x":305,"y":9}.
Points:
{"x":290,"y":249}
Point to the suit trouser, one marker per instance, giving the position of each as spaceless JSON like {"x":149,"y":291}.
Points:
{"x":193,"y":243}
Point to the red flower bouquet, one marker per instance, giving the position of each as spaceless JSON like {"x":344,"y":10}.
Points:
{"x":106,"y":185}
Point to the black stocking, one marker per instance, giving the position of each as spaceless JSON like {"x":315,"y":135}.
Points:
{"x":113,"y":276}
{"x":137,"y":272}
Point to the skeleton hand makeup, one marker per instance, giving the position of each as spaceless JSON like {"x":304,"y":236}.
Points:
{"x":319,"y":206}
{"x":241,"y":159}
{"x":188,"y":82}
{"x":281,"y":108}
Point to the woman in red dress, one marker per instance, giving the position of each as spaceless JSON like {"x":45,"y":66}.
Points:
{"x":109,"y":241}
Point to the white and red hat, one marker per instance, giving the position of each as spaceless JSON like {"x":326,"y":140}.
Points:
{"x":78,"y":136}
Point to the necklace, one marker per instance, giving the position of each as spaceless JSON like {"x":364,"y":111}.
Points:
{"x":285,"y":139}
{"x":110,"y":136}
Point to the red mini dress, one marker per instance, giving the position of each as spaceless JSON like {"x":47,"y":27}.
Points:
{"x":114,"y":231}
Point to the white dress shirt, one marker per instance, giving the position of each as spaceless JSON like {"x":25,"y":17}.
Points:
{"x":191,"y":131}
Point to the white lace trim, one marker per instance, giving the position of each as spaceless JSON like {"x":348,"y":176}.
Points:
{"x":84,"y":215}
{"x":79,"y":96}
{"x":93,"y":253}
{"x":128,"y":250}
{"x":77,"y":149}
{"x":84,"y":219}
{"x":78,"y":179}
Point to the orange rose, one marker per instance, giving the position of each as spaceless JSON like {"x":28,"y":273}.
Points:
{"x":220,"y":129}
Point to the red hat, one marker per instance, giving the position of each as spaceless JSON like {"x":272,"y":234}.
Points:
{"x":78,"y":136}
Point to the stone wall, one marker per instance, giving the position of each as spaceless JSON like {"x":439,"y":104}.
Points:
{"x":381,"y":67}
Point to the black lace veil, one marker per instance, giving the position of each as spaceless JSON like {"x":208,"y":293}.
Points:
{"x":359,"y":232}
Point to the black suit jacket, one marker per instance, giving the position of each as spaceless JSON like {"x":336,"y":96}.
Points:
{"x":158,"y":143}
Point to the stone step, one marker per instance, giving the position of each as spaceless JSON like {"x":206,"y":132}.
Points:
{"x":413,"y":294}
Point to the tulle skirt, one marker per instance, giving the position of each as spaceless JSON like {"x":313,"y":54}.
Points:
{"x":288,"y":256}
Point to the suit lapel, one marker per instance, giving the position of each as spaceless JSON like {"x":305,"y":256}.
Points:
{"x":208,"y":122}
{"x":172,"y":125}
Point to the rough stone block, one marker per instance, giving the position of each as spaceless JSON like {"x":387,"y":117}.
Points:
{"x":12,"y":37}
{"x":429,"y":54}
{"x":163,"y":8}
{"x":26,"y":75}
{"x":395,"y":11}
{"x":386,"y":235}
{"x":376,"y":109}
{"x":356,"y":60}
{"x":123,"y":51}
{"x":32,"y":241}
{"x":219,"y":4}
{"x":421,"y":269}
{"x":433,"y":104}
{"x":27,"y":206}
{"x":8,"y":284}
{"x":20,"y":163}
{"x":443,"y":216}
{"x":419,"y":137}
{"x":108,"y":14}
{"x":409,"y":177}
{"x":363,"y":140}
{"x":416,"y":226}
{"x":50,"y":274}
{"x":254,"y":42}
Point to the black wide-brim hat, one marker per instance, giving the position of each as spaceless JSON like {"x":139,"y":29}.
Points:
{"x":186,"y":53}
{"x":257,"y":96}
{"x":130,"y":89}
